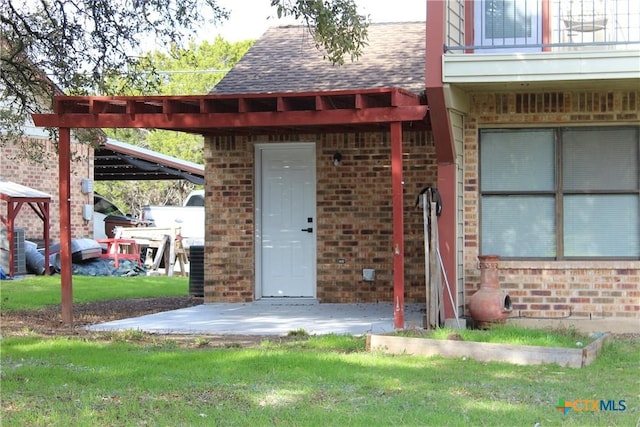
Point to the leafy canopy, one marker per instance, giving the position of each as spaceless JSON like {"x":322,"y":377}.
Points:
{"x":79,"y":46}
{"x":336,"y":26}
{"x":190,"y":71}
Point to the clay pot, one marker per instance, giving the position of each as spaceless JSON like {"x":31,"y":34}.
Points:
{"x":489,"y":304}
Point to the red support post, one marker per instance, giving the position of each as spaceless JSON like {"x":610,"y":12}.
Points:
{"x":64,"y":168}
{"x":398,"y":225}
{"x":13,"y":210}
{"x":11,"y":215}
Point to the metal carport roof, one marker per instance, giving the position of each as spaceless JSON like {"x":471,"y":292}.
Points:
{"x":119,"y":161}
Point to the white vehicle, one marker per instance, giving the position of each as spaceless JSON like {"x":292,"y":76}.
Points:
{"x":103,"y":208}
{"x":195,"y":198}
{"x":189,"y":218}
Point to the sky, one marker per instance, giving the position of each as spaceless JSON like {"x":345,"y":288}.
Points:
{"x":250,"y":18}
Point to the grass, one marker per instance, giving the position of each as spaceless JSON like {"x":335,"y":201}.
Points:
{"x":33,"y":293}
{"x":129,"y":379}
{"x":510,"y":334}
{"x":320,"y":381}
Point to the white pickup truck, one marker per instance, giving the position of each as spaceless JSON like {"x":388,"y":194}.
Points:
{"x":189,"y":218}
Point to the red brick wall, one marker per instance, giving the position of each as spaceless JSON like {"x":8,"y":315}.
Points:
{"x":585,"y":289}
{"x":354,"y":211}
{"x":44,"y":177}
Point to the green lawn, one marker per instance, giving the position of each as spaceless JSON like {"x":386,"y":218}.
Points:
{"x":509,"y":334}
{"x":32,"y":293}
{"x":314,"y":381}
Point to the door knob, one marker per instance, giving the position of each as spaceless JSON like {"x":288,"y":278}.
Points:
{"x":308,"y":230}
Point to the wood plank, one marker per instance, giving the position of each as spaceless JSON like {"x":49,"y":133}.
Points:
{"x":149,"y":233}
{"x":427,"y":272}
{"x":593,"y":350}
{"x":434,"y":268}
{"x":438,"y":272}
{"x":487,"y":352}
{"x":160,"y":253}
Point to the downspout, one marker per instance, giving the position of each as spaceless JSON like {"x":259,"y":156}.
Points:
{"x":64,"y":171}
{"x":444,"y":143}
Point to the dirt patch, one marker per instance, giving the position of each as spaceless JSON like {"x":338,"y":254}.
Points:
{"x":47,"y":322}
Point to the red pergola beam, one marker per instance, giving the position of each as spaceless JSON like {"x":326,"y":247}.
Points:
{"x":184,"y":121}
{"x":283,"y":102}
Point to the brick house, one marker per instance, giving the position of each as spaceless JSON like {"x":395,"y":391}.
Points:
{"x":326,"y":220}
{"x":108,"y":160}
{"x":353,"y":233}
{"x":312,"y":170}
{"x":44,"y":176}
{"x":350,"y":205}
{"x":561,"y":79}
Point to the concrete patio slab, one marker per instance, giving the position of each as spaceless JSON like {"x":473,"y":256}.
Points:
{"x":261,"y":318}
{"x":280,"y":318}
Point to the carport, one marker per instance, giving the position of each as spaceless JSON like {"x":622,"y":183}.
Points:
{"x":119,"y":161}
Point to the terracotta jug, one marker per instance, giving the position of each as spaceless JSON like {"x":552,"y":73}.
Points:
{"x":489,"y":304}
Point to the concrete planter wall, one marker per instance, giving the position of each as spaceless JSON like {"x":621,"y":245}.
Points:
{"x":488,"y":352}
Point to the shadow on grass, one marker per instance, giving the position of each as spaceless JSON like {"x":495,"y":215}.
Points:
{"x":72,"y":381}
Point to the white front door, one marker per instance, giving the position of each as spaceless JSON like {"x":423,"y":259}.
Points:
{"x":286,"y":209}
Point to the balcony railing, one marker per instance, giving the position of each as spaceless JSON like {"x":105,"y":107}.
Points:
{"x":543,"y":25}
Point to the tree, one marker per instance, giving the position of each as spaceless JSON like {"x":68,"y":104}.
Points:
{"x":197,"y":68}
{"x":336,"y":26}
{"x":80,"y":45}
{"x":194,"y":70}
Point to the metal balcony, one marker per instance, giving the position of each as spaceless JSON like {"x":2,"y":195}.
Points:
{"x":496,"y":26}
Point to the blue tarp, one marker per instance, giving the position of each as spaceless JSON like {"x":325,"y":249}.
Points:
{"x":95,"y":266}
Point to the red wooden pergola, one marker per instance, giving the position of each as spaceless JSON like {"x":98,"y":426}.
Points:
{"x":16,"y":196}
{"x":388,"y":109}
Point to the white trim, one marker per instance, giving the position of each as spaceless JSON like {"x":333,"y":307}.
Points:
{"x":542,"y":67}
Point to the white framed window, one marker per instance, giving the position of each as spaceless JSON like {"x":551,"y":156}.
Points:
{"x":508,"y":25}
{"x":560,"y":193}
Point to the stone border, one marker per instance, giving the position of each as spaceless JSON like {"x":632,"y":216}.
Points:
{"x":488,"y":352}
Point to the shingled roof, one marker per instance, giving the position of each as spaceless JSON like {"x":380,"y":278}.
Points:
{"x":285,"y":59}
